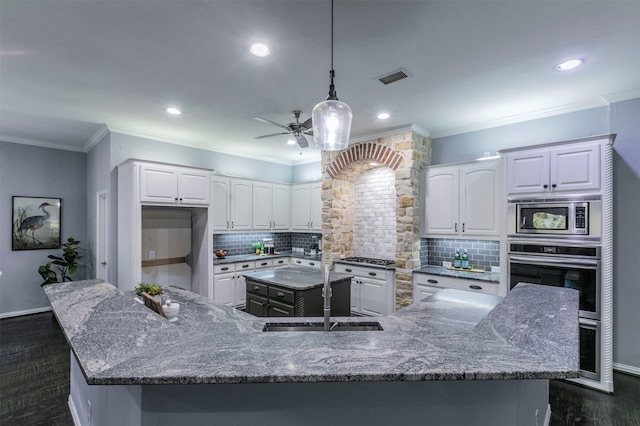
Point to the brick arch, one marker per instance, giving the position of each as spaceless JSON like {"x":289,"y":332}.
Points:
{"x":365,"y":151}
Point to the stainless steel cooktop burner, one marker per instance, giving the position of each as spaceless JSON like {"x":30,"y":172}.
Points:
{"x":370,"y":261}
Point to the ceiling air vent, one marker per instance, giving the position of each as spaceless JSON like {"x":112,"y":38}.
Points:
{"x":393,"y":76}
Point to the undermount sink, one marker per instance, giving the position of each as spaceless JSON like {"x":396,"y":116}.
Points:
{"x":319,"y":326}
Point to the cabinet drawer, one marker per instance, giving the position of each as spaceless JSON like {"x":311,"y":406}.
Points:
{"x":245,"y":266}
{"x":457,"y":283}
{"x":223,"y":269}
{"x":277,"y":309}
{"x":264,"y":263}
{"x":283,"y":261}
{"x":257,"y":288}
{"x":282,"y":295}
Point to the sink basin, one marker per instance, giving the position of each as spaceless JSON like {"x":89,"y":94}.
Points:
{"x":318,"y":326}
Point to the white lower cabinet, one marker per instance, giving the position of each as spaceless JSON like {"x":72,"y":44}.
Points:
{"x":372,"y":289}
{"x":424,"y":285}
{"x":297,"y":261}
{"x":229,"y":287}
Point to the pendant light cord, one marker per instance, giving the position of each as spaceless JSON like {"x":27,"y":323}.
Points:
{"x":332,"y":90}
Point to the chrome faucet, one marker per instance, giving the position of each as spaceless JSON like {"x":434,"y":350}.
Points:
{"x":326,"y":293}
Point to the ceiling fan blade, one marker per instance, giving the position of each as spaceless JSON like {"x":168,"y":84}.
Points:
{"x":308,"y":132}
{"x":307,"y":124}
{"x":272,"y":134}
{"x":302,"y":141}
{"x":264,"y":120}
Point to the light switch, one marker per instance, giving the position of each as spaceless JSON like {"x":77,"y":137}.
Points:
{"x":152,"y":254}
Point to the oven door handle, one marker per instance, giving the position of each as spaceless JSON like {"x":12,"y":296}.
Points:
{"x":554,"y":261}
{"x":589,"y":322}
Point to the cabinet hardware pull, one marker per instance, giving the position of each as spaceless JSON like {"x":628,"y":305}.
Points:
{"x":245,"y":266}
{"x":232,"y":224}
{"x":311,"y":264}
{"x":180,"y":199}
{"x":280,"y":261}
{"x":224,"y":269}
{"x":545,"y":186}
{"x":432,"y":281}
{"x":347,"y":270}
{"x":455,"y":227}
{"x":227,"y":224}
{"x":373,"y":274}
{"x":554,"y":185}
{"x":280,"y":294}
{"x":263,"y":264}
{"x":297,"y":261}
{"x":475,"y":287}
{"x":175,"y":199}
{"x":462,"y":226}
{"x":255,"y":287}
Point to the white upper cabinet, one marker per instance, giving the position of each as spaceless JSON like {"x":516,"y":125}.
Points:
{"x":568,"y":168}
{"x":306,"y":207}
{"x":232,"y":201}
{"x":168,"y":185}
{"x":462,"y":200}
{"x":270,"y":206}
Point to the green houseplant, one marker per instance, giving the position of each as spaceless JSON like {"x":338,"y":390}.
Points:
{"x":67,"y":264}
{"x":149,"y":288}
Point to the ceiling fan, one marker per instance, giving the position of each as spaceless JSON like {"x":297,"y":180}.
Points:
{"x":297,"y":129}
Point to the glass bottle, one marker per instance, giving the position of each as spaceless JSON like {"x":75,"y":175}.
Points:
{"x":456,"y":259}
{"x":465,"y":260}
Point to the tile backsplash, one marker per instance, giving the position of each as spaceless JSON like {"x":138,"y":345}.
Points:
{"x":240,"y":243}
{"x":483,"y":254}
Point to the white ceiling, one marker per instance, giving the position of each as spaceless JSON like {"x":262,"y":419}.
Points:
{"x":68,"y":68}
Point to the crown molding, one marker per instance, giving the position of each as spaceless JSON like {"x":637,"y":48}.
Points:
{"x":40,"y":143}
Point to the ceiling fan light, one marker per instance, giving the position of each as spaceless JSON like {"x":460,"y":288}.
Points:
{"x":331,"y":125}
{"x":569,"y":65}
{"x":291,"y":141}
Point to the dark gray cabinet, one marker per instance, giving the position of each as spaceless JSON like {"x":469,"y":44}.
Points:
{"x":270,"y":300}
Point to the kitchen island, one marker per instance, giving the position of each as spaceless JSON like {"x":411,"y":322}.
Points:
{"x":440,"y":361}
{"x":296,"y":291}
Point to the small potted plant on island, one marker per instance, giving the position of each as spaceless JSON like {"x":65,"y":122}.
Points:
{"x":151,"y":289}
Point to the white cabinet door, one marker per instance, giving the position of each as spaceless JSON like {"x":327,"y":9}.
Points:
{"x":224,"y":288}
{"x":421,"y":292}
{"x":479,"y":199}
{"x":262,"y":206}
{"x":158,"y":184}
{"x":301,"y":207}
{"x":575,"y":168}
{"x":173,"y":185}
{"x":221,"y":197}
{"x":528,"y":171}
{"x":281,"y":201}
{"x":316,"y":206}
{"x":240,"y":211}
{"x":372,"y":297}
{"x":193,"y":187}
{"x":441,"y":205}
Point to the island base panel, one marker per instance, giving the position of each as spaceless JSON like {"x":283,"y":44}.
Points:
{"x":494,"y":402}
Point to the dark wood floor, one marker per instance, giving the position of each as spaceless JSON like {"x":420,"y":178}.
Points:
{"x":34,"y":383}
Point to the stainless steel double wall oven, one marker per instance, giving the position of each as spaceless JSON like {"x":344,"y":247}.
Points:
{"x":558,"y":243}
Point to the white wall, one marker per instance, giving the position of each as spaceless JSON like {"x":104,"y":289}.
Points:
{"x":37,"y":172}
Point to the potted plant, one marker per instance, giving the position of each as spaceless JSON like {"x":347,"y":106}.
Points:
{"x":151,"y":289}
{"x":67,"y":264}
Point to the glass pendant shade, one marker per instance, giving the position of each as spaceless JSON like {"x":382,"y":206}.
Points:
{"x":331,"y":125}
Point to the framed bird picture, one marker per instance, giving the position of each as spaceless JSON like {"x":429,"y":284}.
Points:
{"x":36,"y":223}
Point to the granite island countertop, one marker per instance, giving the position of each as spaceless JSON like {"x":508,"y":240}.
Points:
{"x":295,"y":277}
{"x":530,"y":334}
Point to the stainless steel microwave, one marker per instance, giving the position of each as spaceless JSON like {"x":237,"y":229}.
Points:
{"x":569,"y":218}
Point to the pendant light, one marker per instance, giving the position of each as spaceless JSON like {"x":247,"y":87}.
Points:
{"x":331,"y":118}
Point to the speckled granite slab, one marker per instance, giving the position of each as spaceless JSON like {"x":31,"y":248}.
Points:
{"x":493,"y":277}
{"x":251,"y":257}
{"x":295,"y":277}
{"x":531,"y":334}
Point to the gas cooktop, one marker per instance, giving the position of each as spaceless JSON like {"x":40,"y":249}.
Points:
{"x":370,"y":261}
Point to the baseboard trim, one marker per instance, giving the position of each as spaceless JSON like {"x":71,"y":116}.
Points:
{"x":25,"y":312}
{"x":629,"y":369}
{"x":74,"y":412}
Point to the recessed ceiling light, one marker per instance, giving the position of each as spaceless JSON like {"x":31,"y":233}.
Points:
{"x":383,"y":116}
{"x":569,"y":65}
{"x":173,"y":111}
{"x":260,"y":49}
{"x":291,"y":141}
